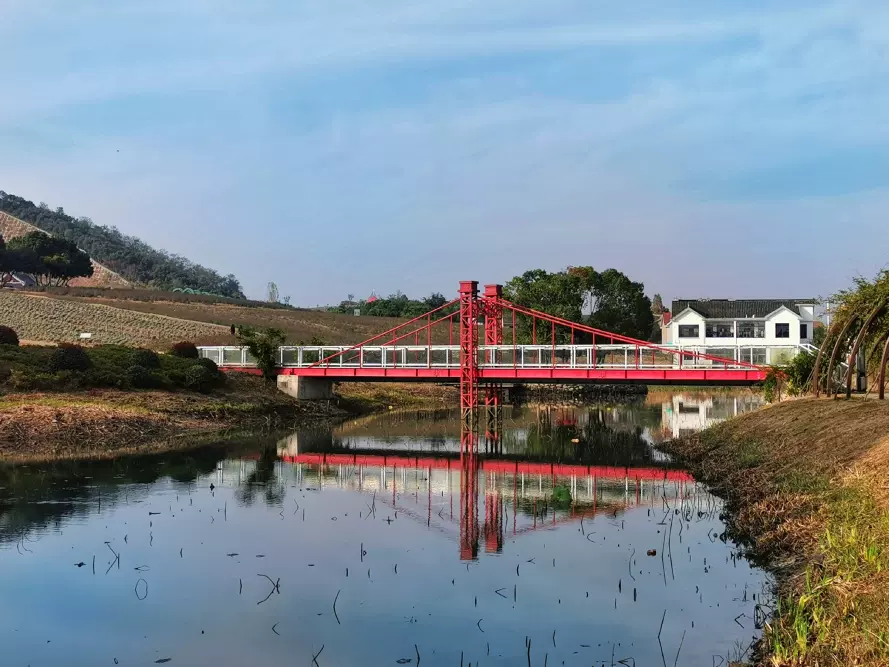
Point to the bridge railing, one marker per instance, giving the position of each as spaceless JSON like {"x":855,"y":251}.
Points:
{"x":510,"y":357}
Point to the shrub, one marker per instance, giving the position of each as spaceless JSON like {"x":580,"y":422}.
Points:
{"x":8,"y":336}
{"x":141,"y":378}
{"x":263,"y":345}
{"x":209,"y":364}
{"x":146,"y":359}
{"x":799,"y":373}
{"x":198,"y":378}
{"x":218,"y":376}
{"x":68,"y":357}
{"x":185,"y":350}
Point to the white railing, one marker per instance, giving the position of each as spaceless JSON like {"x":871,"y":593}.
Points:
{"x":507,"y":356}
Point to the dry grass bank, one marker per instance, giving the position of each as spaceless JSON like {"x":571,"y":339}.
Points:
{"x":807,"y":489}
{"x":375,"y":396}
{"x":107,"y":423}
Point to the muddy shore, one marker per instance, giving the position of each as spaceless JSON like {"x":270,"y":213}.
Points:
{"x":805,"y":484}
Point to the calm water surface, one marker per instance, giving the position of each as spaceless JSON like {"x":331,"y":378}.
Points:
{"x":373,"y":543}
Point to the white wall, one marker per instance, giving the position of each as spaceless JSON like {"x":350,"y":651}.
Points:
{"x":687,"y":318}
{"x":781,"y":316}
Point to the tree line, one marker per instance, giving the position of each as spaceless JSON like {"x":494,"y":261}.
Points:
{"x":394,"y":305}
{"x":607,"y":300}
{"x":128,"y":256}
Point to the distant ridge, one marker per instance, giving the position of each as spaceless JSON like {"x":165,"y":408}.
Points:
{"x":120,"y":259}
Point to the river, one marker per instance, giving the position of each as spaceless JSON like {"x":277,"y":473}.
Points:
{"x":570,"y":539}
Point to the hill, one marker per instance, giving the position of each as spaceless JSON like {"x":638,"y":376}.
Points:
{"x":112,"y":252}
{"x":157,"y":323}
{"x":45,"y":319}
{"x":11,"y":228}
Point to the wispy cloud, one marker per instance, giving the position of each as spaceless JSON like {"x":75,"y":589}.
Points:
{"x":637,"y":134}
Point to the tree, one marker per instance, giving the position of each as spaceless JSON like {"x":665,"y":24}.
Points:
{"x":561,"y":294}
{"x":263,"y":345}
{"x":613,"y":302}
{"x":272,"y":291}
{"x":434,"y":300}
{"x":620,"y":306}
{"x":657,"y":305}
{"x":657,"y":310}
{"x":47,"y":259}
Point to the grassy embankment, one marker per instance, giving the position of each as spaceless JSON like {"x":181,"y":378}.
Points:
{"x":806,"y":489}
{"x":101,"y":423}
{"x":68,"y":401}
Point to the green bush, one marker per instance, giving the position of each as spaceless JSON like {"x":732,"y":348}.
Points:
{"x":68,"y":357}
{"x":146,"y":359}
{"x":8,"y":336}
{"x":184,"y":350}
{"x":140,"y":377}
{"x":799,"y":373}
{"x":219,"y":378}
{"x":209,"y":364}
{"x":198,"y":378}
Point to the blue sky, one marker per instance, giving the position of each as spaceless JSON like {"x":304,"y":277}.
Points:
{"x":723,"y":149}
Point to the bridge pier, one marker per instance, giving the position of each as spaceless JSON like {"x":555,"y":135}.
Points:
{"x":305,"y":388}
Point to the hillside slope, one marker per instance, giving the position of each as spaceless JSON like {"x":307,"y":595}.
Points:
{"x":11,"y":227}
{"x":59,"y":318}
{"x":45,"y":319}
{"x":133,"y":259}
{"x":299,"y":325}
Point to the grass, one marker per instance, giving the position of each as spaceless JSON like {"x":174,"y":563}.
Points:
{"x":108,"y":422}
{"x":373,"y":396}
{"x":805,"y":488}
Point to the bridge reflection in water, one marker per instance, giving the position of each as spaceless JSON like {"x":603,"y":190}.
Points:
{"x":545,"y":469}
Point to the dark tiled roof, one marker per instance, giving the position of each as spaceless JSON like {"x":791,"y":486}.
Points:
{"x":737,"y":308}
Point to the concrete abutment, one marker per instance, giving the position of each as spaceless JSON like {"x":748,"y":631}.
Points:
{"x":305,"y":388}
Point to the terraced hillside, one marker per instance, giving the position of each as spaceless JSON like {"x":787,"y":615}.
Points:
{"x":11,"y":227}
{"x":299,"y":325}
{"x":46,"y":319}
{"x":58,"y":318}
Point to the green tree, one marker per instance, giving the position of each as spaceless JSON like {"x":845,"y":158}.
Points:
{"x":620,"y":306}
{"x":613,"y":302}
{"x":562,"y":294}
{"x":263,"y":345}
{"x":47,"y":259}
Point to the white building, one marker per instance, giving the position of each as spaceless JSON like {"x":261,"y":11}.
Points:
{"x":760,"y":331}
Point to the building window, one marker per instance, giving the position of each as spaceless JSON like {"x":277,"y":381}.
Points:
{"x":782,"y":330}
{"x":803,"y":331}
{"x":720,"y":330}
{"x":688,"y":330}
{"x":754,"y":355}
{"x":751,"y":329}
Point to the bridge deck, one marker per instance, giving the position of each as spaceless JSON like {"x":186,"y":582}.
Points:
{"x":520,"y":363}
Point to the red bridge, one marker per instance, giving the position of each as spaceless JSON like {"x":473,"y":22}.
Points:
{"x":475,"y":340}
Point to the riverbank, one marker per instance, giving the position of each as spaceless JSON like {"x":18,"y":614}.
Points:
{"x":805,"y":484}
{"x":102,"y":423}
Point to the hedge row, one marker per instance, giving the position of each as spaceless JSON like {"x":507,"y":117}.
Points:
{"x":73,"y":367}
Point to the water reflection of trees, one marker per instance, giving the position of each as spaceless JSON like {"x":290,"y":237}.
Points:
{"x":586,"y":437}
{"x":37,"y":498}
{"x":262,"y":478}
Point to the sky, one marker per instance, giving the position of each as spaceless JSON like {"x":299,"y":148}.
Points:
{"x":732,"y":149}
